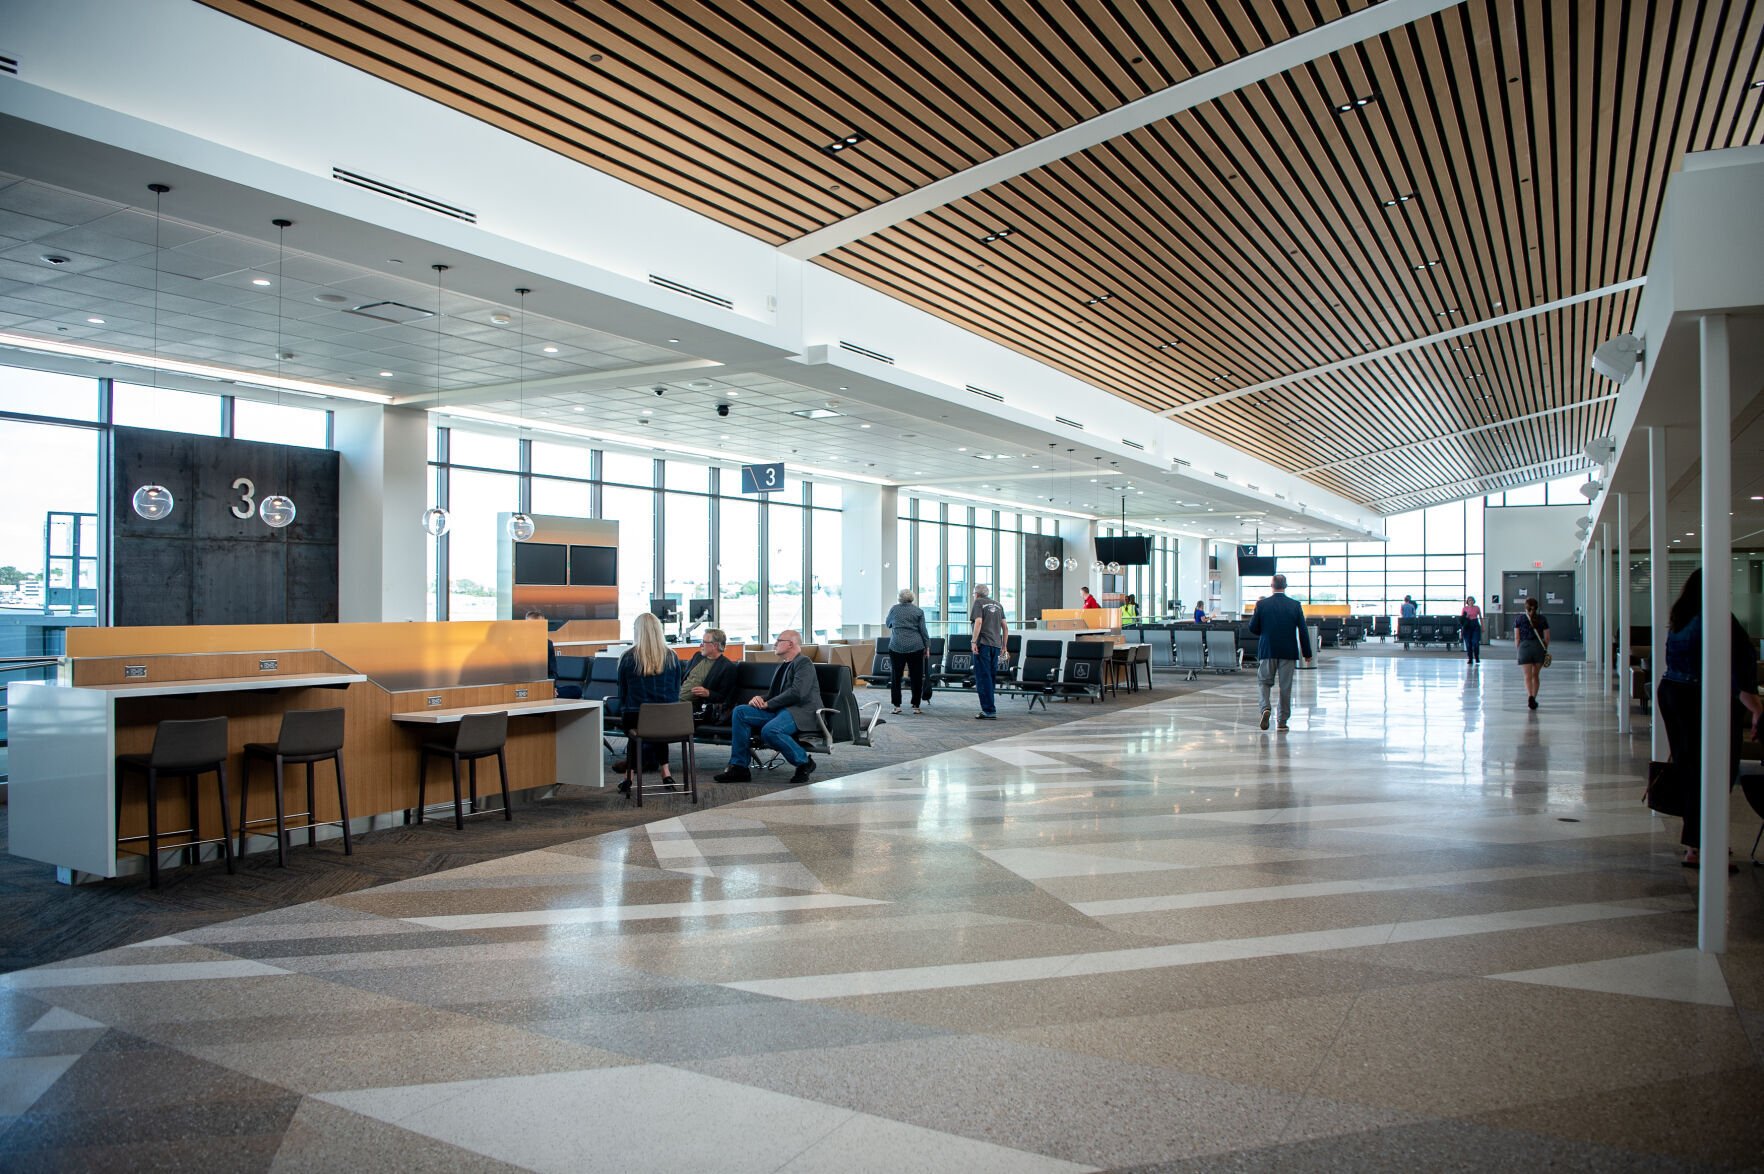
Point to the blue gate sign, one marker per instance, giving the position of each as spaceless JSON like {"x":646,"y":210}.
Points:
{"x":762,"y":478}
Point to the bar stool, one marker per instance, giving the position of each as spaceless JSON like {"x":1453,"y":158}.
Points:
{"x":186,"y":750}
{"x":478,"y":735}
{"x":666,"y":722}
{"x":309,"y":736}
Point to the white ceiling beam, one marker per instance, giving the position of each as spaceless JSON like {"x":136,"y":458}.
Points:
{"x":1462,"y":432}
{"x":1172,"y":100}
{"x":1473,"y":482}
{"x":1401,"y":347}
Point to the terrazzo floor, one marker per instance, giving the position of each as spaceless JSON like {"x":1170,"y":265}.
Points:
{"x":1425,"y":929}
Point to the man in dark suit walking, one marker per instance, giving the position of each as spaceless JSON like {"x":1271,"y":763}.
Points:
{"x":1279,"y":621}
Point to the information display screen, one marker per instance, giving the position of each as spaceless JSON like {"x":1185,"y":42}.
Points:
{"x":540,"y":564}
{"x":594,"y":566}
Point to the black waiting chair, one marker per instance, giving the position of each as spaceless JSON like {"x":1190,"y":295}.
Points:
{"x":308,"y":736}
{"x":958,"y":662}
{"x":1038,"y":675}
{"x":881,"y":664}
{"x":475,"y":736}
{"x":181,"y":750}
{"x":1084,"y":669}
{"x":572,"y":676}
{"x":665,"y":722}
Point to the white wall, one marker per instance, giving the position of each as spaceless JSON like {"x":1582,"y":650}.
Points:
{"x":383,"y":490}
{"x":1516,"y":537}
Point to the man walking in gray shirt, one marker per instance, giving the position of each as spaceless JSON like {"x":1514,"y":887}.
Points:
{"x":1280,"y":622}
{"x":989,"y":648}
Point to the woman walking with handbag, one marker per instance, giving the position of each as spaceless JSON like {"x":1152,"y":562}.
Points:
{"x":1531,"y":633}
{"x":1472,"y":630}
{"x":1680,"y":697}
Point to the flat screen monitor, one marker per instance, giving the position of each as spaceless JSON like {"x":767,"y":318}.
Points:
{"x":1133,"y":550}
{"x":701,"y":611}
{"x":1248,"y":565}
{"x":594,"y":566}
{"x":540,"y":564}
{"x":666,"y":610}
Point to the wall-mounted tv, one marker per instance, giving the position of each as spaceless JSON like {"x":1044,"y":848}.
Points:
{"x":1248,"y":565}
{"x":594,"y":566}
{"x":540,"y":564}
{"x":1133,"y":550}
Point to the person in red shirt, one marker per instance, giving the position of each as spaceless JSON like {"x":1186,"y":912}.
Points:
{"x":1089,"y":599}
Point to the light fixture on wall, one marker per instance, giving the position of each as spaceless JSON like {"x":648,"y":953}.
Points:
{"x":277,"y":510}
{"x":520,"y":524}
{"x":153,"y":501}
{"x":435,"y":519}
{"x":1618,"y":358}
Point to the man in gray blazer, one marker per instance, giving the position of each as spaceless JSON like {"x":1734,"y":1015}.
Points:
{"x":787,"y":707}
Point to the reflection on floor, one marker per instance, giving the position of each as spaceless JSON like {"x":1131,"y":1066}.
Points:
{"x":1424,"y":929}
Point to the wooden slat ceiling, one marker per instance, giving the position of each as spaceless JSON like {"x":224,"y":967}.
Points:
{"x":1251,"y":233}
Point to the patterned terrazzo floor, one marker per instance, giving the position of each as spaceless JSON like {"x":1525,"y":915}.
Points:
{"x":1424,"y":929}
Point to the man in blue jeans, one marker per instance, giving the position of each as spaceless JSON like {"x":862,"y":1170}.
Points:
{"x":989,"y":648}
{"x":787,"y":707}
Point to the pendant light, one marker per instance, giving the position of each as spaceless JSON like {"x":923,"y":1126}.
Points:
{"x":277,"y":510}
{"x":435,"y":519}
{"x":520,"y":524}
{"x":1071,"y":563}
{"x":153,"y":501}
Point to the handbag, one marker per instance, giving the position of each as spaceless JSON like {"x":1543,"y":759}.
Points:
{"x":1548,"y":659}
{"x":1665,"y":793}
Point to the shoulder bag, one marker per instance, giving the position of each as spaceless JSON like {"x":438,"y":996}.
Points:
{"x":1665,"y":793}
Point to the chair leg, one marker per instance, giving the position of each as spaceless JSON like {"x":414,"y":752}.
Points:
{"x":311,"y":808}
{"x":152,"y":828}
{"x":472,"y":777}
{"x":502,"y":773}
{"x":244,"y":801}
{"x":343,"y":805}
{"x":193,"y":852}
{"x":281,"y":815}
{"x":226,"y":840}
{"x":634,"y":751}
{"x":458,"y":805}
{"x":691,"y":762}
{"x":422,"y":780}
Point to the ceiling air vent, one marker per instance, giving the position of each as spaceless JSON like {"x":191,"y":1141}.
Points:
{"x":396,"y":312}
{"x":8,"y":65}
{"x":1222,"y":476}
{"x":1180,"y":463}
{"x":991,"y":395}
{"x":682,"y":288}
{"x":380,"y":187}
{"x":867,"y":353}
{"x":1068,"y":423}
{"x":1133,"y":444}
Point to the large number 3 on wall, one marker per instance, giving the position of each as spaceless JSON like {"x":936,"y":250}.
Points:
{"x":247,"y":498}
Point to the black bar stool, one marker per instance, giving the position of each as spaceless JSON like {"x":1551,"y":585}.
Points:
{"x":477,"y":735}
{"x":186,"y":750}
{"x":309,"y":736}
{"x":666,"y":722}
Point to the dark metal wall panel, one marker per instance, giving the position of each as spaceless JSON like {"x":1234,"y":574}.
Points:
{"x":205,"y":565}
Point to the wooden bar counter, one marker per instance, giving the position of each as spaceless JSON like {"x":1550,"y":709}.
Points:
{"x":120,"y":683}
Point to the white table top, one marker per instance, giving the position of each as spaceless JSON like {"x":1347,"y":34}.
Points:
{"x":207,"y":684}
{"x":437,"y":717}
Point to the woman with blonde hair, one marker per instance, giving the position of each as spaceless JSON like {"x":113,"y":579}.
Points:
{"x":648,"y":672}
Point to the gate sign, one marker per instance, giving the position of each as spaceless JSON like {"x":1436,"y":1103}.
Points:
{"x":762,"y":478}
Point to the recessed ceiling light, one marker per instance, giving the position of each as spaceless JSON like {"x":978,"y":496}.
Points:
{"x":330,"y":299}
{"x":1446,"y":313}
{"x":578,"y":408}
{"x":551,"y":350}
{"x":96,"y":321}
{"x":673,"y":340}
{"x":724,"y":436}
{"x":1396,"y":200}
{"x":997,"y":235}
{"x":649,"y":411}
{"x":816,"y":413}
{"x":1426,"y":265}
{"x":1164,"y":346}
{"x":961,"y":450}
{"x":1098,"y":300}
{"x":851,"y":139}
{"x":1353,"y":104}
{"x":1756,"y":497}
{"x":736,"y":394}
{"x":385,"y":375}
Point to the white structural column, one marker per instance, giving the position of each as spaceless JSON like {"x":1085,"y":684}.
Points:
{"x":1604,"y":581}
{"x":1659,"y":577}
{"x":1622,"y":585}
{"x":1718,"y":698}
{"x":383,"y":490}
{"x":869,"y":528}
{"x":1590,"y":618}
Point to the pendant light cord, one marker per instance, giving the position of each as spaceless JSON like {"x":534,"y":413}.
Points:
{"x":439,"y":270}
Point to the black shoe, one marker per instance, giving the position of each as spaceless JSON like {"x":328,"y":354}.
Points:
{"x":1531,"y":702}
{"x":625,"y":787}
{"x":735,"y":774}
{"x":1265,"y":713}
{"x":802,"y":773}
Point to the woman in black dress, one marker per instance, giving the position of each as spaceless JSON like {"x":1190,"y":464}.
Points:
{"x":1532,"y":634}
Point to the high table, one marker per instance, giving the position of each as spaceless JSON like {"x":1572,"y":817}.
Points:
{"x":61,"y":795}
{"x":578,"y":739}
